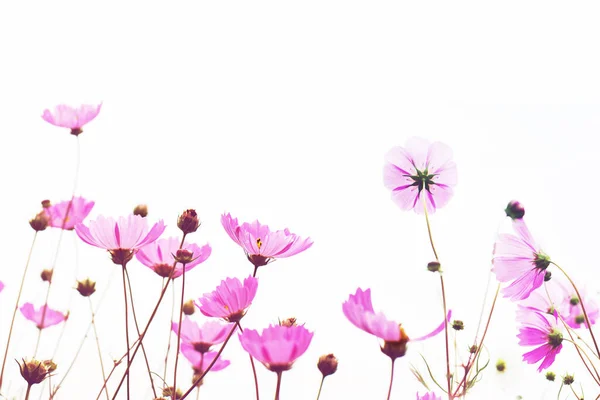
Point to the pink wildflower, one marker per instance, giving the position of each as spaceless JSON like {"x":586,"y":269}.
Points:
{"x":420,"y":171}
{"x":359,"y":310}
{"x":260,"y":243}
{"x":428,"y":396}
{"x":520,"y":260}
{"x":201,"y":338}
{"x":200,"y":362}
{"x":278,"y":346}
{"x":78,"y":210}
{"x":538,"y":330}
{"x":122,"y":238}
{"x":1,"y":286}
{"x":229,"y":300}
{"x":73,"y":118}
{"x":52,"y":317}
{"x":159,"y":256}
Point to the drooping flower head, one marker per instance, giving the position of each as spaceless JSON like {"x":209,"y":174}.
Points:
{"x":122,"y":238}
{"x":359,"y":310}
{"x":519,"y":259}
{"x":78,"y":209}
{"x":229,"y":300}
{"x":73,"y":118}
{"x":51,"y":318}
{"x":158,"y":256}
{"x":542,"y":330}
{"x":260,"y":243}
{"x":420,"y":171}
{"x":201,"y":338}
{"x":278,"y":346}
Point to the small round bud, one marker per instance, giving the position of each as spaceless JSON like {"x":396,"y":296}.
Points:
{"x":568,"y":379}
{"x":473,"y":349}
{"x":33,"y":371}
{"x":46,"y":203}
{"x":500,"y":365}
{"x":550,"y":376}
{"x":574,"y":300}
{"x":173,"y":394}
{"x":46,"y":275}
{"x":39,"y":222}
{"x":141,"y":210}
{"x":183,"y":256}
{"x":434,"y":266}
{"x":188,"y":307}
{"x":188,"y":222}
{"x":515,"y":210}
{"x":458,"y":325}
{"x":86,"y":287}
{"x":547,"y":276}
{"x":580,"y":319}
{"x":327,"y":364}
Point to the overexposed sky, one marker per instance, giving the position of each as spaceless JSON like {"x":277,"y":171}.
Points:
{"x":283,"y":111}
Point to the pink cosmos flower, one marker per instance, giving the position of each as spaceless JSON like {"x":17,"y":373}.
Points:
{"x":540,"y":330}
{"x":278,"y":346}
{"x":1,"y":286}
{"x":520,"y":260}
{"x":78,"y":210}
{"x":201,"y":338}
{"x":73,"y":118}
{"x":359,"y":310}
{"x":575,"y":318}
{"x":229,"y":300}
{"x":159,"y":256}
{"x":122,"y":238}
{"x":201,"y":361}
{"x":260,"y":243}
{"x":420,"y":171}
{"x":428,"y":396}
{"x":52,"y":317}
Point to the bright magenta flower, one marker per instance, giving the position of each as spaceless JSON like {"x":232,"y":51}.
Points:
{"x":201,"y":361}
{"x":229,"y":300}
{"x":418,"y":171}
{"x":79,"y":209}
{"x":428,"y":396}
{"x":520,"y":260}
{"x":540,"y":330}
{"x":122,"y":238}
{"x":260,"y":243}
{"x":278,"y":346}
{"x":159,"y":256}
{"x":201,"y":338}
{"x":73,"y":118}
{"x":51,"y":318}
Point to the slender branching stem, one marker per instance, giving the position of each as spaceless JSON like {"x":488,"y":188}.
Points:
{"x":320,"y":387}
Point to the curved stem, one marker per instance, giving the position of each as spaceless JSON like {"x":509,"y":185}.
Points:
{"x":179,"y":327}
{"x":12,"y":321}
{"x":320,"y":387}
{"x":278,"y":385}
{"x":126,"y":330}
{"x":253,"y":367}
{"x":391,"y":381}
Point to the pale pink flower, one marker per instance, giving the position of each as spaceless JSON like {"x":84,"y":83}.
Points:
{"x":78,"y":210}
{"x":51,"y":318}
{"x":201,"y":338}
{"x":73,"y":118}
{"x":158,"y":256}
{"x":428,"y":396}
{"x":122,"y":238}
{"x":229,"y":300}
{"x":359,"y":310}
{"x":519,"y":259}
{"x":1,"y":286}
{"x":260,"y":243}
{"x":540,"y":330}
{"x":420,"y":171}
{"x":201,"y":361}
{"x":278,"y":346}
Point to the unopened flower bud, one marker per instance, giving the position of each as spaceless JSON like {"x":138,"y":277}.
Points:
{"x":188,"y":222}
{"x":550,"y":376}
{"x":547,"y":276}
{"x":500,"y":365}
{"x":574,"y":300}
{"x":514,"y":210}
{"x":188,"y":307}
{"x":473,"y":349}
{"x":288,"y":322}
{"x":327,"y":364}
{"x":458,"y":325}
{"x":33,"y":371}
{"x":86,"y":287}
{"x":434,"y":266}
{"x":141,"y":210}
{"x":39,"y":222}
{"x":50,"y":365}
{"x":183,"y":256}
{"x":173,"y":394}
{"x":46,"y":203}
{"x":568,"y":379}
{"x":46,"y":275}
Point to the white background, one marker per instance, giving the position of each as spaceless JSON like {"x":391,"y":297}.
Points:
{"x":283,"y":111}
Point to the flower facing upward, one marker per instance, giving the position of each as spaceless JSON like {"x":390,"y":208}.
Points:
{"x":78,"y":210}
{"x":420,"y":171}
{"x":122,"y":238}
{"x":260,"y":243}
{"x":159,"y":256}
{"x":428,"y":396}
{"x":51,"y":318}
{"x":73,"y":118}
{"x":278,"y":346}
{"x":201,"y":338}
{"x":229,"y":300}
{"x":520,"y":260}
{"x":539,"y":330}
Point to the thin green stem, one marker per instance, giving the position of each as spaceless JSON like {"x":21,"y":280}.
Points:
{"x":320,"y":387}
{"x":278,"y":385}
{"x":389,"y":395}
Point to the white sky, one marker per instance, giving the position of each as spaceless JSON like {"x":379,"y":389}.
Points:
{"x":283,"y":111}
